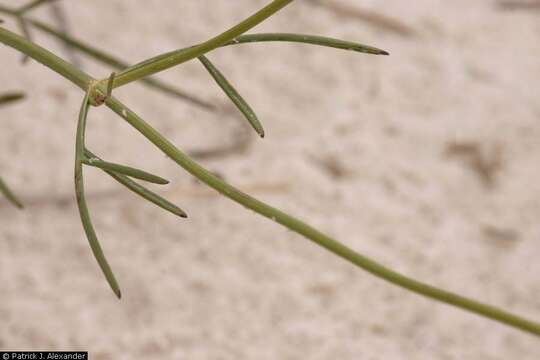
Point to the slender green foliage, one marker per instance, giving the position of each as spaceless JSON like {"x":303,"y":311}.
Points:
{"x":307,"y":39}
{"x":159,"y":63}
{"x":141,"y":190}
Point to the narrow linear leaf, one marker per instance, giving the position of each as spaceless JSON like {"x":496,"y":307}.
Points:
{"x":125,"y":170}
{"x":263,"y":37}
{"x":307,"y":39}
{"x":142,"y":191}
{"x":4,"y":189}
{"x":235,"y":97}
{"x":81,"y":201}
{"x":11,"y":97}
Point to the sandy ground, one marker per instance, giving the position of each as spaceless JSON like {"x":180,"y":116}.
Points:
{"x":435,"y":173}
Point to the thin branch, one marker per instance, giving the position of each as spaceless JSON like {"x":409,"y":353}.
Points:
{"x":313,"y":234}
{"x":81,"y":200}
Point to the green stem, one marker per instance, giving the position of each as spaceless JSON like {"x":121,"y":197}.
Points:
{"x":45,"y":57}
{"x":137,"y":72}
{"x":313,"y":234}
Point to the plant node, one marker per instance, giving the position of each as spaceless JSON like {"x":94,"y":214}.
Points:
{"x":97,"y":93}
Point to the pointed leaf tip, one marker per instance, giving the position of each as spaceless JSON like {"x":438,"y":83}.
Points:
{"x":141,"y":190}
{"x":233,"y":95}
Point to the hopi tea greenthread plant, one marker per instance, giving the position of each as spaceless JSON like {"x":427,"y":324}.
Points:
{"x":98,"y":92}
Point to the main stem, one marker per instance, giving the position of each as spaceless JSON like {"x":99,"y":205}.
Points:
{"x":313,"y":234}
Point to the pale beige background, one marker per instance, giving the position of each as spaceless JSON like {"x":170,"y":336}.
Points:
{"x":438,"y":151}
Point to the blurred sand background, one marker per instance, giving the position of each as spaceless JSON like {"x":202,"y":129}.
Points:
{"x":426,"y":160}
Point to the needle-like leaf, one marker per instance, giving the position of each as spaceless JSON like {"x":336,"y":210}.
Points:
{"x":125,"y":170}
{"x":235,"y":97}
{"x":81,"y":200}
{"x":141,"y":190}
{"x":308,"y":39}
{"x":4,"y":189}
{"x":264,"y":37}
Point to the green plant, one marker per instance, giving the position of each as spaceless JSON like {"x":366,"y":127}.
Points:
{"x":99,"y":92}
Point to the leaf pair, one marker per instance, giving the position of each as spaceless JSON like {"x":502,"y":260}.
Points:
{"x":220,"y":79}
{"x":238,"y":100}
